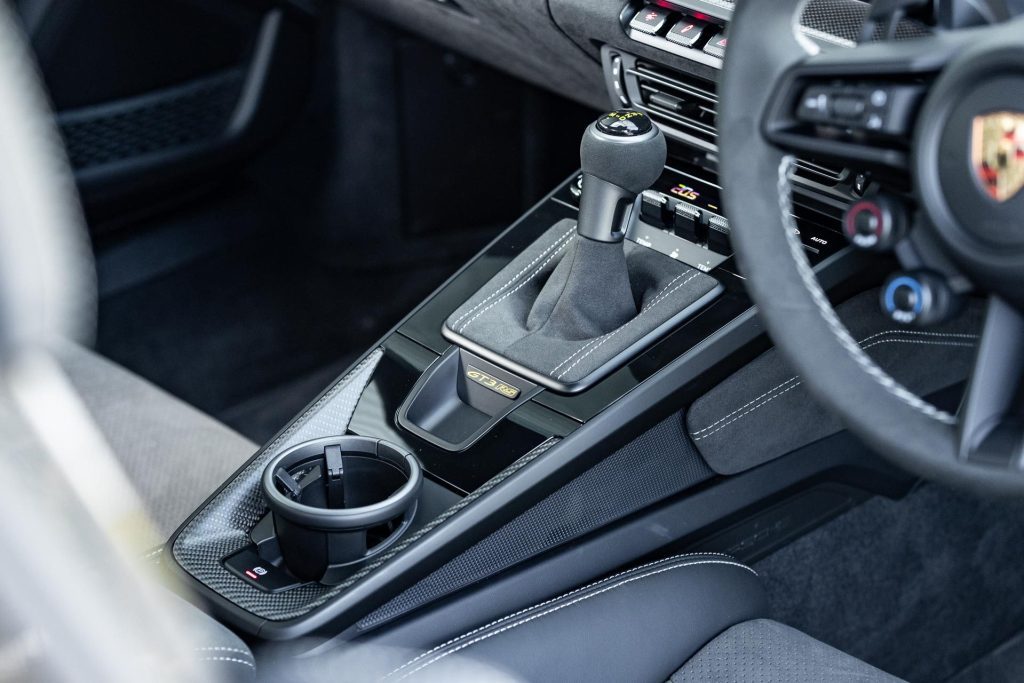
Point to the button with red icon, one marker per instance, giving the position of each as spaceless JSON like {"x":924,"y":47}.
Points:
{"x":687,"y":31}
{"x":716,"y":46}
{"x":650,"y":20}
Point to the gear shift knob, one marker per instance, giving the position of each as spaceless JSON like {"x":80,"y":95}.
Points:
{"x":621,"y":155}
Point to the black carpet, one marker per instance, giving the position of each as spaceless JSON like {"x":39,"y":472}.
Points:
{"x":921,"y":587}
{"x":1003,"y":665}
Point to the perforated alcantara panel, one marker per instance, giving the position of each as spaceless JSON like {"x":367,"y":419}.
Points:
{"x":656,"y":464}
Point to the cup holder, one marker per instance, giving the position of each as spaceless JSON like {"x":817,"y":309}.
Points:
{"x":339,"y":501}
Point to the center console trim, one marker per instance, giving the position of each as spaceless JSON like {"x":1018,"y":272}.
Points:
{"x":674,"y":380}
{"x":593,"y":378}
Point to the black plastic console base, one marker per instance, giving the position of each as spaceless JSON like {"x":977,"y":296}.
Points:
{"x":459,"y":398}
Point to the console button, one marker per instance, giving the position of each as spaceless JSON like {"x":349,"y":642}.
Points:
{"x":716,"y":46}
{"x":687,"y":31}
{"x":252,"y":569}
{"x":653,"y":206}
{"x":686,"y":222}
{"x":718,"y":235}
{"x":650,"y":20}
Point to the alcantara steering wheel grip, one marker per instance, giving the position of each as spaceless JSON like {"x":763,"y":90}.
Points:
{"x":767,"y":67}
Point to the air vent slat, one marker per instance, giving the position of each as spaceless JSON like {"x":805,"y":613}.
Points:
{"x":684,"y":102}
{"x":688,"y":104}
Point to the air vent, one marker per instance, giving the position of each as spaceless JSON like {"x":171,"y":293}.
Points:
{"x":818,"y":209}
{"x":821,"y":173}
{"x":688,"y":107}
{"x":684,"y":103}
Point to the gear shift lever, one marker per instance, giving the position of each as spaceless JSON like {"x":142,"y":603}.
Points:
{"x":580,"y":299}
{"x":621,"y":155}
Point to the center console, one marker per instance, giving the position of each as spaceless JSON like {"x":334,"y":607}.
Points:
{"x":476,"y":419}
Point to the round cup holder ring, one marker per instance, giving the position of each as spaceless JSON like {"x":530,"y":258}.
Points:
{"x":338,"y":501}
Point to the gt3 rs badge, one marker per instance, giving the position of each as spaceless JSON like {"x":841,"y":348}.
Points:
{"x":997,"y":153}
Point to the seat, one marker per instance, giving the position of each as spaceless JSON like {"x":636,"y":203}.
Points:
{"x":694,"y":617}
{"x":175,"y":455}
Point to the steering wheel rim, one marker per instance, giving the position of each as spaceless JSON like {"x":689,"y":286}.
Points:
{"x":755,"y":164}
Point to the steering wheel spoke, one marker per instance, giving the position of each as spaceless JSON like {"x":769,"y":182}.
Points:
{"x":858,"y":104}
{"x":991,"y":425}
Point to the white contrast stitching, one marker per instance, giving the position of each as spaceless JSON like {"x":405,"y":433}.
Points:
{"x":955,"y":335}
{"x":611,"y":334}
{"x":515,"y":277}
{"x":151,"y":553}
{"x":769,"y":400}
{"x":515,"y":289}
{"x":579,"y":351}
{"x":227,"y":659}
{"x":557,"y":608}
{"x":597,"y":339}
{"x":742,"y":415}
{"x":223,"y":649}
{"x":548,"y":602}
{"x":862,"y":344}
{"x":752,"y":401}
{"x":829,"y":315}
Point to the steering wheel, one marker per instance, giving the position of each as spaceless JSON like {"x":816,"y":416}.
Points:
{"x":959,"y":227}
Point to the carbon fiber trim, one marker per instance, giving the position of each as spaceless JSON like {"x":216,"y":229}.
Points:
{"x":660,"y":462}
{"x":222,"y":527}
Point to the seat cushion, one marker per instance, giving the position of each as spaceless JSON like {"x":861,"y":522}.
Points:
{"x":175,"y":455}
{"x":765,"y":651}
{"x":637,"y":625}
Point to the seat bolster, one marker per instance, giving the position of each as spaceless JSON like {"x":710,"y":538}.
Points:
{"x":765,"y":651}
{"x":175,"y":455}
{"x":637,"y":625}
{"x":221,"y":654}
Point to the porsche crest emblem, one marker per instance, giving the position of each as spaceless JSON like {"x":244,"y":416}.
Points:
{"x":997,"y":153}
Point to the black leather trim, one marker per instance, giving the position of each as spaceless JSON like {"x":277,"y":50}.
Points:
{"x":220,"y":653}
{"x":637,"y":625}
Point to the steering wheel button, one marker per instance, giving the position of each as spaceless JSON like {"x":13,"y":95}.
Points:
{"x":815,"y":106}
{"x":877,"y":223}
{"x":687,"y":31}
{"x":650,"y":20}
{"x":848,"y":107}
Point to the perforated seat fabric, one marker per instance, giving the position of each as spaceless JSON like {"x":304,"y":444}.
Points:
{"x":175,"y":455}
{"x":765,"y":651}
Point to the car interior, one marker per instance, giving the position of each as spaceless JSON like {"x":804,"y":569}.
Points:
{"x":546,"y":340}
